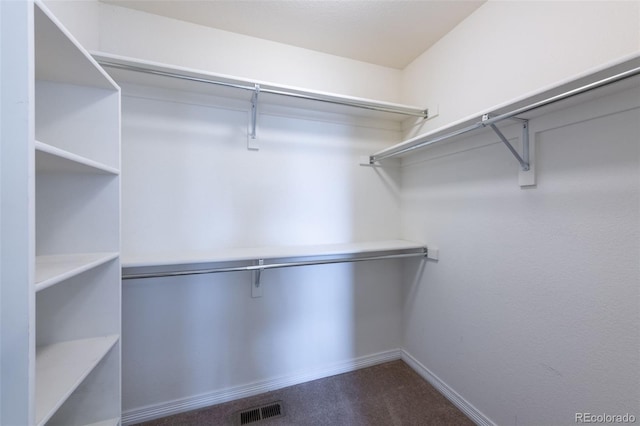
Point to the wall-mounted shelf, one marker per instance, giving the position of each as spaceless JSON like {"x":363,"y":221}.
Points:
{"x":259,"y":259}
{"x":266,"y":253}
{"x":564,"y":94}
{"x":253,"y":96}
{"x":138,"y":71}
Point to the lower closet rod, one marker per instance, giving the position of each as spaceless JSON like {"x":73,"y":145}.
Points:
{"x":422,"y":253}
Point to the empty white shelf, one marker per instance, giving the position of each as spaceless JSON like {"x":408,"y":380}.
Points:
{"x":61,"y":367}
{"x":267,"y":252}
{"x":61,"y":58}
{"x":52,"y":159}
{"x":593,"y":83}
{"x":53,"y":269}
{"x":148,"y":73}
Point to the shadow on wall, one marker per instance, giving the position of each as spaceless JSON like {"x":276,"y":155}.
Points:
{"x":195,"y":335}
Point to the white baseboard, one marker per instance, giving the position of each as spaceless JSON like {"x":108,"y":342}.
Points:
{"x":168,"y":408}
{"x":463,"y":405}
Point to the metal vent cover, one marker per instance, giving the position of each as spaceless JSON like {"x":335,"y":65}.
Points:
{"x":256,"y":414}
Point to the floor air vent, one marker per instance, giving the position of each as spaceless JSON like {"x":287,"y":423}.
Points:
{"x":256,"y":414}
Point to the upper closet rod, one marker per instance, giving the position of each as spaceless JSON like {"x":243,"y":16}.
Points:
{"x":489,"y":119}
{"x":395,"y":109}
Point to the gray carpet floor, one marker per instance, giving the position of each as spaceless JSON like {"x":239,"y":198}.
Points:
{"x":389,"y":394}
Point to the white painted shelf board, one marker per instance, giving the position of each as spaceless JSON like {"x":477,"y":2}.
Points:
{"x":60,"y":58}
{"x":53,"y":269}
{"x":51,"y":159}
{"x":145,"y":79}
{"x":583,"y":79}
{"x":267,"y":252}
{"x":61,"y":367}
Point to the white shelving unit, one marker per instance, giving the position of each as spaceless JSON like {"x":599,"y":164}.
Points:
{"x":73,"y":167}
{"x":77,"y":156}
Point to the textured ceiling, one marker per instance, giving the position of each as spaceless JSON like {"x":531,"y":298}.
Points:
{"x":390,"y":33}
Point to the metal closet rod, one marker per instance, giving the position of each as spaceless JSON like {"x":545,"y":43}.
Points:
{"x":281,"y":92}
{"x":422,"y":253}
{"x":426,"y":141}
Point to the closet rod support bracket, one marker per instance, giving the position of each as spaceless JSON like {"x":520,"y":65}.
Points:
{"x":527,"y":175}
{"x":256,"y":288}
{"x":252,"y":142}
{"x":524,"y":159}
{"x":432,"y":253}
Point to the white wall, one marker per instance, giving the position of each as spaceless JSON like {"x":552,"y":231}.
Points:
{"x":186,"y":168}
{"x":204,"y":340}
{"x":508,"y":49}
{"x":531,"y":315}
{"x":117,"y":30}
{"x":81,"y":18}
{"x":143,"y":35}
{"x":189,"y":183}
